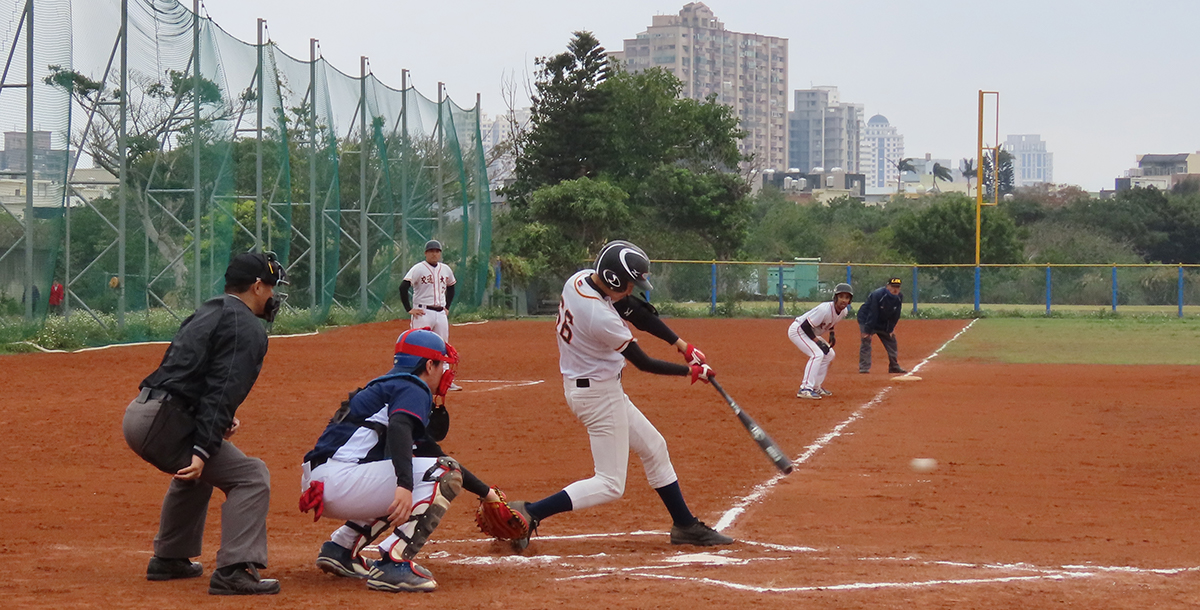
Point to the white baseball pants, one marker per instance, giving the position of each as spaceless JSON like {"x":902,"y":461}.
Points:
{"x":818,"y":361}
{"x":433,"y":320}
{"x":614,"y":426}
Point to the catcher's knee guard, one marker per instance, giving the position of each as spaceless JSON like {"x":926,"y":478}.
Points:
{"x":426,"y":515}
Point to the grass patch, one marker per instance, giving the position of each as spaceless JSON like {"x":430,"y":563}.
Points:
{"x":1124,"y":340}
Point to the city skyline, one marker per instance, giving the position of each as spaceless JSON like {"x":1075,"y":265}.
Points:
{"x":1068,"y":78}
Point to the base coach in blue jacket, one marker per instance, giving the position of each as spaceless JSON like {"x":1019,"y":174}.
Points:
{"x":878,"y":316}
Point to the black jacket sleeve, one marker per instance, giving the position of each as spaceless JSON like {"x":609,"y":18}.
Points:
{"x":868,"y":313}
{"x":405,"y":286}
{"x":644,"y":317}
{"x":236,"y":349}
{"x":450,"y":295}
{"x":634,"y":354}
{"x":400,"y":447}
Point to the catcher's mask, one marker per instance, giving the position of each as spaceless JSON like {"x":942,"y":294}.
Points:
{"x":414,"y":345}
{"x":621,"y":263}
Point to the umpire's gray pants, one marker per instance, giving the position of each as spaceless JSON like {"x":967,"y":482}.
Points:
{"x":889,"y":344}
{"x":247,"y":486}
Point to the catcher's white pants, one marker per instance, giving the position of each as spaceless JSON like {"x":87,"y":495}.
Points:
{"x":362,"y":493}
{"x":433,"y":320}
{"x":614,"y":426}
{"x":818,"y":361}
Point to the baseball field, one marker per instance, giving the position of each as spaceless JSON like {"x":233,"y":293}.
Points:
{"x":1066,"y":473}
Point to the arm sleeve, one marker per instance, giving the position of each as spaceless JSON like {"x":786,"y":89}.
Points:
{"x":634,"y":354}
{"x":808,"y":329}
{"x":644,"y":317}
{"x":473,"y":484}
{"x":405,"y":286}
{"x":449,"y":295}
{"x":400,"y":447}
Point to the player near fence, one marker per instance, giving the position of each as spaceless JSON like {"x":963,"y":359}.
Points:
{"x":206,"y":373}
{"x":807,"y":333}
{"x":432,"y":283}
{"x":593,"y":345}
{"x":878,"y":316}
{"x":378,"y":465}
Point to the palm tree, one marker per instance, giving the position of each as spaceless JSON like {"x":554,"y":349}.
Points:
{"x":940,"y":172}
{"x":903,"y":165}
{"x":968,"y":171}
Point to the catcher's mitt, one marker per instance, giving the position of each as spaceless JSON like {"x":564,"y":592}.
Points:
{"x":499,"y":520}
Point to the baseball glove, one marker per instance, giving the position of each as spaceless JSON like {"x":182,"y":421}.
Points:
{"x":499,"y":520}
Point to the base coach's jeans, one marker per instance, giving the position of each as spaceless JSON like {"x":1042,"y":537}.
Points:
{"x":889,"y":344}
{"x":247,"y":486}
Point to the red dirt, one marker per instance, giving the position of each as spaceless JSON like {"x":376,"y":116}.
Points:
{"x":1047,"y":476}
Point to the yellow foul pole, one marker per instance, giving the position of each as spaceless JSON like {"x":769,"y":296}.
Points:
{"x":979,"y":180}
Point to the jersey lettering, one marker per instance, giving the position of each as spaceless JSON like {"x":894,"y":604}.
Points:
{"x":565,"y":320}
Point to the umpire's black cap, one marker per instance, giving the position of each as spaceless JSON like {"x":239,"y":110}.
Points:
{"x":433,"y":244}
{"x":251,"y":266}
{"x":894,"y":281}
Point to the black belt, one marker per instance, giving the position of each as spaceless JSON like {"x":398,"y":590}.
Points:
{"x":153,"y":394}
{"x":433,"y":307}
{"x":312,"y":464}
{"x":583,"y":383}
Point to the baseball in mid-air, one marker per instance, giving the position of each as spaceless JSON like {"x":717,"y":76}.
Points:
{"x":923,"y":464}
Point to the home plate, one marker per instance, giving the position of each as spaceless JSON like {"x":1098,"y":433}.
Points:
{"x":907,"y":378}
{"x":705,"y":558}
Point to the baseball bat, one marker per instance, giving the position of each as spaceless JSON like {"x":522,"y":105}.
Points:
{"x":769,"y":447}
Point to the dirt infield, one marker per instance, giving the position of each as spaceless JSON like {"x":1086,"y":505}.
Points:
{"x":1060,"y":485}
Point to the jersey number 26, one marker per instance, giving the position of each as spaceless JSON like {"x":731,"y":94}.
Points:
{"x":564,"y":322}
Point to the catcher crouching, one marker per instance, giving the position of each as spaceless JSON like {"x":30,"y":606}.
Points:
{"x":378,"y":465}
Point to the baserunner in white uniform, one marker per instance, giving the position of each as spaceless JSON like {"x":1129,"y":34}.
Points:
{"x":432,"y":283}
{"x":593,"y":345}
{"x":806,"y":332}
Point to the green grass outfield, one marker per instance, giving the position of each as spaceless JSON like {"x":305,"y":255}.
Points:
{"x":1080,"y":341}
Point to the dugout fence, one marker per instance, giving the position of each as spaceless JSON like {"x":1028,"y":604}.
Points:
{"x":145,"y":146}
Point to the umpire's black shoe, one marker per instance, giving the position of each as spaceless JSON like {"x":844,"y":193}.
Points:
{"x":897,"y":371}
{"x":241,"y":579}
{"x":162,"y":568}
{"x":521,"y":506}
{"x":698,"y":534}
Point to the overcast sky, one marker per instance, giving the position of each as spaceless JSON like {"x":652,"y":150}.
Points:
{"x":1100,"y":80}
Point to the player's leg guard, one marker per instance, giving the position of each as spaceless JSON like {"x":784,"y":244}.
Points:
{"x":427,"y":514}
{"x":366,"y":535}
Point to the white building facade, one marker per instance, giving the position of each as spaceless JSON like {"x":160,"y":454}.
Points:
{"x":824,"y":132}
{"x":882,"y":148}
{"x":1031,"y":163}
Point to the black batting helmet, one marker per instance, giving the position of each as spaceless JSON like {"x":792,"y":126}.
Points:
{"x":843,"y":287}
{"x":620,"y":263}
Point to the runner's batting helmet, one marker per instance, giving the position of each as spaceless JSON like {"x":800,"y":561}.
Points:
{"x":843,"y":287}
{"x":621,"y":263}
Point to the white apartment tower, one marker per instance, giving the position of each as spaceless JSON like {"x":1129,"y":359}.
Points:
{"x":824,"y":132}
{"x":882,"y":149}
{"x":747,"y":72}
{"x":1031,"y":163}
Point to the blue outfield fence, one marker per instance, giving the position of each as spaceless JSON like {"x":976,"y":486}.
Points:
{"x":790,"y":287}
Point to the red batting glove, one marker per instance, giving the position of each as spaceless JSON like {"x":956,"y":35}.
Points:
{"x":693,"y":355}
{"x":702,"y":372}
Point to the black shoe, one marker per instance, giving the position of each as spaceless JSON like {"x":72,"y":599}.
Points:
{"x":340,"y":561}
{"x":521,"y":506}
{"x":698,"y":534}
{"x":897,"y":370}
{"x":241,"y":580}
{"x":161,"y":568}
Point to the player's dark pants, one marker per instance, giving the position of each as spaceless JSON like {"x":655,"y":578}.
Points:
{"x":889,"y":344}
{"x":247,"y":486}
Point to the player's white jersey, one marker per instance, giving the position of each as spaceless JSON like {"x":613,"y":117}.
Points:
{"x":822,"y":317}
{"x":429,"y":283}
{"x":591,"y":334}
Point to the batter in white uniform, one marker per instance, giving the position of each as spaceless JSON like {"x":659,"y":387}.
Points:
{"x":593,"y":345}
{"x":806,"y":332}
{"x":432,"y":283}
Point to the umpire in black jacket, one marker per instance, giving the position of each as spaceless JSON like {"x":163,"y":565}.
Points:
{"x":878,"y":316}
{"x":182,"y":420}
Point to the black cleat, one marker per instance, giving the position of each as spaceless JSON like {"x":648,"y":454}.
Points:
{"x":698,"y":534}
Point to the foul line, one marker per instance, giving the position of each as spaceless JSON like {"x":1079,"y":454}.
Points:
{"x":762,"y":489}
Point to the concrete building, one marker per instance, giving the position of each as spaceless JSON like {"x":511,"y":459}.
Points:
{"x":496,"y":131}
{"x":45,"y":159}
{"x":1031,"y":163}
{"x":882,"y":148}
{"x":1161,"y":171}
{"x":824,"y":132}
{"x":821,"y":186}
{"x":747,"y":72}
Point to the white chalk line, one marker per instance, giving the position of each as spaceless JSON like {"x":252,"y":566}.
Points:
{"x":136,"y":344}
{"x":505,"y":384}
{"x":762,"y":489}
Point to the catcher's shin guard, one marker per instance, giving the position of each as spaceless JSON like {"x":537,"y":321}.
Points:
{"x":366,"y":534}
{"x":427,"y":514}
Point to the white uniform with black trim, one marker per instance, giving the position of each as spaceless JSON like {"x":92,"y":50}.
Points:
{"x":429,"y":283}
{"x":591,"y":336}
{"x":823,"y":319}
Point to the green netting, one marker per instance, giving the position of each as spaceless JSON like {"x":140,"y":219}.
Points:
{"x":355,"y":175}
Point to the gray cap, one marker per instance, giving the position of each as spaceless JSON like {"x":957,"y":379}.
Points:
{"x":843,"y":287}
{"x":433,"y":244}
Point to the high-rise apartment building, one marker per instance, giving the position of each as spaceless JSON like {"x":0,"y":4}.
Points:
{"x":824,"y":132}
{"x":882,"y":149}
{"x":1031,"y":163}
{"x":747,"y":72}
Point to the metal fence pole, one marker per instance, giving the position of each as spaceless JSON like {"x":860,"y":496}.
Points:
{"x":914,"y":289}
{"x":314,"y":239}
{"x":29,"y":281}
{"x":712,"y":305}
{"x":196,"y":149}
{"x":123,"y":167}
{"x":1181,"y":291}
{"x":363,"y":253}
{"x":258,"y":148}
{"x":781,"y":288}
{"x":977,"y":279}
{"x":848,"y":275}
{"x":1047,"y":289}
{"x":1114,"y":288}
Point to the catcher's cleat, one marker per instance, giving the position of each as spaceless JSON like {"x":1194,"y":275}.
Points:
{"x":396,"y":576}
{"x":809,"y":394}
{"x":340,"y":561}
{"x":161,"y":568}
{"x":522,"y":543}
{"x":698,"y":534}
{"x":823,"y":392}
